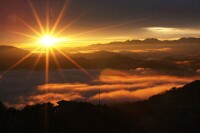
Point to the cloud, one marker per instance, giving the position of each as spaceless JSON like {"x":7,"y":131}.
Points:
{"x":118,"y":86}
{"x":114,"y":85}
{"x":113,"y":76}
{"x":127,"y":96}
{"x":170,"y":30}
{"x":141,"y":69}
{"x":198,"y":70}
{"x":80,"y":88}
{"x":61,"y":87}
{"x":183,"y":62}
{"x":53,"y":97}
{"x":152,"y":50}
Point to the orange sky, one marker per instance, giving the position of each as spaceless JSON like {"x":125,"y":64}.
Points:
{"x":93,"y":21}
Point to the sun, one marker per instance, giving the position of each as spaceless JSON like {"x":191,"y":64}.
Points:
{"x":48,"y":41}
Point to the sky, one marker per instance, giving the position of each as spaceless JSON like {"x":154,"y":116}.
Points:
{"x":99,"y":21}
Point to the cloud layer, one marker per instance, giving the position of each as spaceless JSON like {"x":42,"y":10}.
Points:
{"x":114,"y":85}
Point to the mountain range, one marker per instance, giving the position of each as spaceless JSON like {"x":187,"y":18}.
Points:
{"x":151,"y":41}
{"x":161,"y":61}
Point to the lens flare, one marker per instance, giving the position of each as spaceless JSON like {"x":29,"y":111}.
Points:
{"x":48,"y":41}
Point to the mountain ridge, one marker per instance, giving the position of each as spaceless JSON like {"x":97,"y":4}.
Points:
{"x":160,"y":113}
{"x":150,"y":41}
{"x":7,"y":51}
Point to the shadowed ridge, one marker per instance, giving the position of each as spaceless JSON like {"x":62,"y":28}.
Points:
{"x":7,"y":47}
{"x":195,"y":85}
{"x":9,"y":55}
{"x":11,"y":51}
{"x":189,"y":40}
{"x":188,"y":94}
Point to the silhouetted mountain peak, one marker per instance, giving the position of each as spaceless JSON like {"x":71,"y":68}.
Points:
{"x":11,"y":51}
{"x":189,"y":39}
{"x":6,"y":47}
{"x":193,"y":85}
{"x":151,"y":40}
{"x":186,"y":95}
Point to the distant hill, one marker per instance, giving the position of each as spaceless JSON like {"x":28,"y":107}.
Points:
{"x":176,"y":110}
{"x":150,"y":41}
{"x":102,"y":59}
{"x":10,"y":51}
{"x":98,"y":54}
{"x":105,"y":59}
{"x":9,"y":55}
{"x":184,"y":96}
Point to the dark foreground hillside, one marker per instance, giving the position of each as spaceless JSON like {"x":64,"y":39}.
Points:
{"x":176,"y":110}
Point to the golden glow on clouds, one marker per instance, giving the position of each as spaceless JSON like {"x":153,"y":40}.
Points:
{"x":116,"y":86}
{"x":161,"y":29}
{"x":174,"y":31}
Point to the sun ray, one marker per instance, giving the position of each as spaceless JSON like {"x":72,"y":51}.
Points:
{"x":3,"y":42}
{"x":47,"y":39}
{"x":47,"y":66}
{"x":46,"y":82}
{"x":36,"y":17}
{"x":16,"y":64}
{"x":59,"y":17}
{"x":75,"y":63}
{"x":9,"y":42}
{"x":47,"y":16}
{"x":23,"y":34}
{"x":68,"y":25}
{"x":112,"y":26}
{"x":28,"y":26}
{"x":57,"y":63}
{"x":38,"y":59}
{"x":25,"y":23}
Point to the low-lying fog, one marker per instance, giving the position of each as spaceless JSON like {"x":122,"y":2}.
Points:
{"x":21,"y":87}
